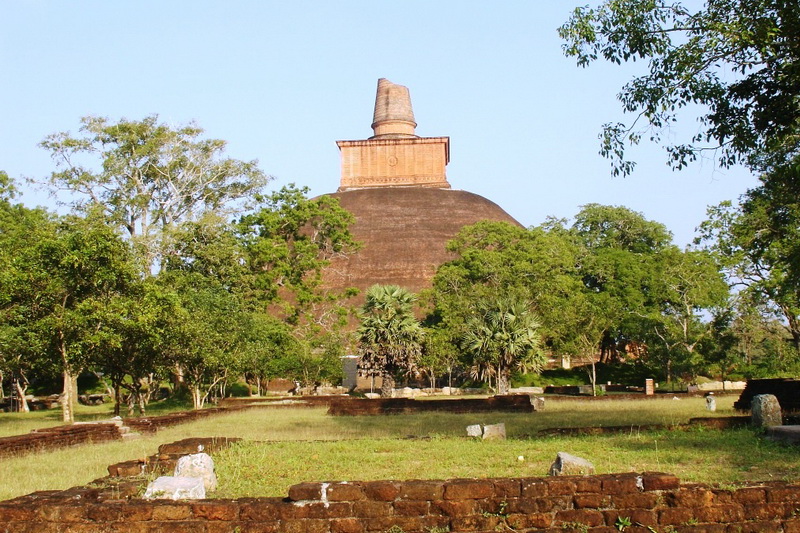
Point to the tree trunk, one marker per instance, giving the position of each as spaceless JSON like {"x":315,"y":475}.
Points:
{"x":387,"y":387}
{"x":68,"y":399}
{"x":22,"y":406}
{"x":197,"y":397}
{"x":502,"y":381}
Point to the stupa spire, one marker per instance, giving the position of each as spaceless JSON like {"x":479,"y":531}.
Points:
{"x":393,"y":117}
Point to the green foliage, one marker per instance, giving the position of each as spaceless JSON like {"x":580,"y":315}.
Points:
{"x":502,"y":336}
{"x":149,"y":177}
{"x":737,"y":59}
{"x":389,"y":336}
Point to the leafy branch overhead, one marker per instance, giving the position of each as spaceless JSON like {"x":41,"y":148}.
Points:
{"x":736,"y":59}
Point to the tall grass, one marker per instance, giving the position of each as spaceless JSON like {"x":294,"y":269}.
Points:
{"x":61,"y":469}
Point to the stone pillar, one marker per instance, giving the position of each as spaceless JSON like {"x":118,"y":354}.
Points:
{"x":649,"y":387}
{"x":350,"y":371}
{"x":765,"y":411}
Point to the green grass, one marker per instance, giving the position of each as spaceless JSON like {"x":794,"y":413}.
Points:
{"x":730,"y":455}
{"x":267,"y":469}
{"x":21,"y":423}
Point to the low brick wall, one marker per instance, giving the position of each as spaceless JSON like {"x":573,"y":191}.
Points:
{"x":787,"y":391}
{"x":520,"y":403}
{"x":58,"y":437}
{"x":594,"y":504}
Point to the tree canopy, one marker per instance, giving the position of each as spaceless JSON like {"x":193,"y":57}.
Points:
{"x":736,"y":60}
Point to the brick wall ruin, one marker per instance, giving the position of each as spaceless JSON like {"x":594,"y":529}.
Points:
{"x":594,"y":504}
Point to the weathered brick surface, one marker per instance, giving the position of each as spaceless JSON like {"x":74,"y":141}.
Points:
{"x":593,"y":504}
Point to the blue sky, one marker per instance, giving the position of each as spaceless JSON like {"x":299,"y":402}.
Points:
{"x":282,"y":81}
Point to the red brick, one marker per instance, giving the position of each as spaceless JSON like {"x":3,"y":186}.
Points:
{"x":768,"y":511}
{"x":259,"y":510}
{"x":368,"y":509}
{"x":534,"y":488}
{"x":171,"y":511}
{"x":588,"y":517}
{"x":540,"y":520}
{"x":386,"y":523}
{"x":620,"y":484}
{"x":659,"y":481}
{"x":455,"y":507}
{"x":305,"y":526}
{"x":646,"y":518}
{"x":14,"y":512}
{"x":344,"y":492}
{"x":215,"y":511}
{"x":588,"y":484}
{"x":783,"y":495}
{"x":640,"y":500}
{"x":346,"y":525}
{"x":507,"y":488}
{"x":555,"y":503}
{"x":561,"y":487}
{"x":690,"y":498}
{"x":421,"y":490}
{"x":315,"y":510}
{"x":381,"y":490}
{"x":674,"y":516}
{"x":720,"y":513}
{"x":468,"y":489}
{"x":750,"y":495}
{"x":476,"y":523}
{"x":411,"y":508}
{"x":180,"y":526}
{"x":590,"y":501}
{"x":305,"y":491}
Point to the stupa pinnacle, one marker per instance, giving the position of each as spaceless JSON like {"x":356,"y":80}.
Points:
{"x":394,"y":156}
{"x":393,"y":116}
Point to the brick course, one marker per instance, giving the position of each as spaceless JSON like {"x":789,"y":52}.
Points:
{"x":651,"y":501}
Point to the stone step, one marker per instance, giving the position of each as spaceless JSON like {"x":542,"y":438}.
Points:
{"x":788,"y":434}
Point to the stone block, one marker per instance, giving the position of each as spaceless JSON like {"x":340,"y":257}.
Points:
{"x":475,"y":430}
{"x":494,"y":432}
{"x":198,"y":465}
{"x":569,"y":465}
{"x":175,"y":488}
{"x":766,"y":411}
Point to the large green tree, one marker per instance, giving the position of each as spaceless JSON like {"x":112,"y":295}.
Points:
{"x":148,"y":176}
{"x":389,"y":335}
{"x":735,"y":60}
{"x":58,"y":289}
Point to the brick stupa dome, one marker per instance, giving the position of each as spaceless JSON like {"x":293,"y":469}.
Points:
{"x":395,"y":185}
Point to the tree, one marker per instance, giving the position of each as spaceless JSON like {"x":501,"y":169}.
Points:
{"x":58,"y":286}
{"x":203,"y":335}
{"x":389,"y":336}
{"x":758,"y":242}
{"x":737,"y":59}
{"x":150,"y":176}
{"x":502,"y":336}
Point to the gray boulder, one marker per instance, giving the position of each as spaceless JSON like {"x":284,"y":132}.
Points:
{"x":494,"y":432}
{"x":570,"y":465}
{"x":765,"y":411}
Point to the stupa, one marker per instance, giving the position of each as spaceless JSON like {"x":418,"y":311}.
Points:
{"x":395,"y":185}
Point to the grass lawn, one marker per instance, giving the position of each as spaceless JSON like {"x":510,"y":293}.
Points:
{"x":356,"y":448}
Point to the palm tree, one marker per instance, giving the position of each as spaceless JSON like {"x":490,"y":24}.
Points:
{"x":390,"y":336}
{"x":504,"y":335}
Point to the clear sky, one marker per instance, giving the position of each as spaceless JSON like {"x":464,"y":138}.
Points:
{"x":282,"y":81}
